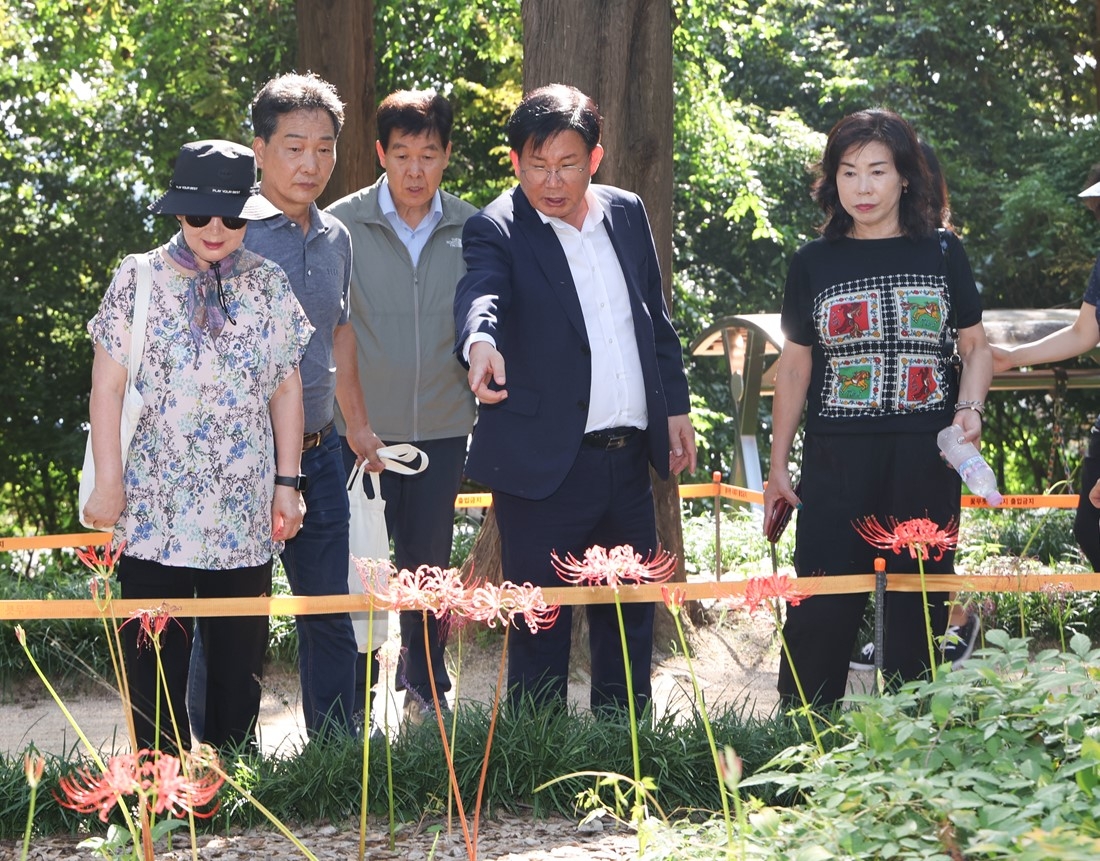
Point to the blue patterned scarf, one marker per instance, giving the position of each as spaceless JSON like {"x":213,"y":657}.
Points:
{"x":207,"y":304}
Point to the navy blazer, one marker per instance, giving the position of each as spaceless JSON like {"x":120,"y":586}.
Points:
{"x":518,"y":288}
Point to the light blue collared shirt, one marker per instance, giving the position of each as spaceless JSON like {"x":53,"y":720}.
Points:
{"x":413,"y":238}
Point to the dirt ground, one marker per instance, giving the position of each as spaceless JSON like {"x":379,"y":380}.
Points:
{"x":735,"y":662}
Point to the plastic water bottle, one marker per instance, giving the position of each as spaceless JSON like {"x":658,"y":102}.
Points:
{"x":969,"y":464}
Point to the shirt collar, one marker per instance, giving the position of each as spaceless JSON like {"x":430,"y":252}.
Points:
{"x":317,"y":225}
{"x":385,"y":201}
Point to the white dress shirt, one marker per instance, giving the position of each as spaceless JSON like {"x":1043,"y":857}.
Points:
{"x":617,"y":397}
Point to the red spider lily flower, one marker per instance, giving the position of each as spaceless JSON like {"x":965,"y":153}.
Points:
{"x":920,"y":536}
{"x":102,"y":562}
{"x":177,"y":793}
{"x":377,"y":576}
{"x":158,"y":777}
{"x":86,"y":792}
{"x":152,"y":624}
{"x":674,"y":599}
{"x":33,"y":766}
{"x":21,"y":636}
{"x":485,"y":603}
{"x":490,"y":603}
{"x":528,"y":601}
{"x":428,"y":589}
{"x":614,"y":567}
{"x":762,"y":591}
{"x":451,"y":590}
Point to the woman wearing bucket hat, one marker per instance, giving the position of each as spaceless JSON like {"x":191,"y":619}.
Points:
{"x":196,"y":498}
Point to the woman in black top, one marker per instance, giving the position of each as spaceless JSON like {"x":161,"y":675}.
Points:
{"x":865,"y":315}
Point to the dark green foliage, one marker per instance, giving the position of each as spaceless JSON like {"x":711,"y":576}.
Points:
{"x":998,"y":759}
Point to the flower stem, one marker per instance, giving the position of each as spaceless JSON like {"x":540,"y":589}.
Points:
{"x":489,"y":738}
{"x":639,"y":796}
{"x":448,"y":755}
{"x":722,"y":788}
{"x":365,"y":776}
{"x":797,"y":681}
{"x":30,"y":822}
{"x":927,"y":616}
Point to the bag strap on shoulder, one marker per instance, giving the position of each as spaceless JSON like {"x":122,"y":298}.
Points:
{"x":141,"y":313}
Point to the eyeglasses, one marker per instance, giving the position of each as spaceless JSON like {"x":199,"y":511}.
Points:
{"x":566,"y":173}
{"x":231,"y":222}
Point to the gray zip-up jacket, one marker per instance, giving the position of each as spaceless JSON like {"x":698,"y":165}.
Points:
{"x":404,"y":322}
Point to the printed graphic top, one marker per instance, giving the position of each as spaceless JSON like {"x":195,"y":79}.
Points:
{"x":877,"y":313}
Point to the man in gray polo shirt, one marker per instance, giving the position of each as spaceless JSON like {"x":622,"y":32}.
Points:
{"x":296,"y":120}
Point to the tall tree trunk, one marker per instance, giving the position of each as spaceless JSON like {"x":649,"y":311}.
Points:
{"x":620,"y":53}
{"x":336,"y":40}
{"x":1096,"y":53}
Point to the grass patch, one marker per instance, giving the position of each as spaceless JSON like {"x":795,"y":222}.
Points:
{"x":320,"y":781}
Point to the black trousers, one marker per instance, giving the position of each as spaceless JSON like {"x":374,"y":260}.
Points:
{"x":235,"y":647}
{"x":607,"y":500}
{"x":844,"y":478}
{"x":1086,"y":525}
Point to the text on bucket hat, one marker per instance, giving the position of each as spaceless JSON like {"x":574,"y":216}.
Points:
{"x":215,"y":177}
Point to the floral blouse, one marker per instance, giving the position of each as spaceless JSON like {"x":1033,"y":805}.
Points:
{"x":199,"y":478}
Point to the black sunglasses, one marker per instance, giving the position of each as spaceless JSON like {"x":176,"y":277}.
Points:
{"x":231,"y":222}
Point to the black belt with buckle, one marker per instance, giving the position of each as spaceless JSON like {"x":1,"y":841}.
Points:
{"x":610,"y":438}
{"x":312,"y":440}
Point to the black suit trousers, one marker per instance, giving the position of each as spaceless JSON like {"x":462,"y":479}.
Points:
{"x":606,"y":499}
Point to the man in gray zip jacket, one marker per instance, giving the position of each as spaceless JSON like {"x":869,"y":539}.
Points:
{"x":406,"y":238}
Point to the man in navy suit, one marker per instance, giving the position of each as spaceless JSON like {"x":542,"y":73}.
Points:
{"x":563,"y":289}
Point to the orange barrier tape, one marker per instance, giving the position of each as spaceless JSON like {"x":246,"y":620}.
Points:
{"x":742,"y":494}
{"x":54,"y":542}
{"x":697,"y":491}
{"x":1025,"y":500}
{"x":473,"y":500}
{"x":485,"y":500}
{"x":287,"y":605}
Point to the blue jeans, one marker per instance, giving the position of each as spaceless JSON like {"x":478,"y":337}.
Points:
{"x":316,"y":563}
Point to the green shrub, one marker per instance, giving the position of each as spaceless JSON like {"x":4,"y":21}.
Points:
{"x":999,"y":759}
{"x":744,"y":547}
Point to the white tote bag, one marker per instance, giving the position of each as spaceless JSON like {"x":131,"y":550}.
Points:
{"x":132,"y":402}
{"x":369,"y":539}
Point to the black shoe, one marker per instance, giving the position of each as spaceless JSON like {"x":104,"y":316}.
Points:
{"x":959,"y":643}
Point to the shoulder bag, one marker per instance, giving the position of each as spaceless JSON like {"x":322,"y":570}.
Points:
{"x":132,"y":401}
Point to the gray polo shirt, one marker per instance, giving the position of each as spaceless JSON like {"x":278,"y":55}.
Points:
{"x":318,"y":265}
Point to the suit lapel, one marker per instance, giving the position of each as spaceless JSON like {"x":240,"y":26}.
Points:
{"x":550,"y":258}
{"x":617,"y":220}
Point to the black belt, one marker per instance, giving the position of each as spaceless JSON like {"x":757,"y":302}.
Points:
{"x":312,"y":440}
{"x":610,"y":438}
